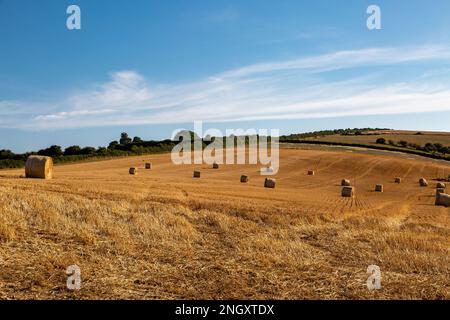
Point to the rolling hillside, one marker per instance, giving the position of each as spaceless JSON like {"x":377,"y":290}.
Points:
{"x":164,"y":235}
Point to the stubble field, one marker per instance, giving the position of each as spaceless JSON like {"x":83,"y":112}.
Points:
{"x":164,"y":235}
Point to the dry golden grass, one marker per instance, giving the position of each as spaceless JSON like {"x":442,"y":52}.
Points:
{"x":166,"y":235}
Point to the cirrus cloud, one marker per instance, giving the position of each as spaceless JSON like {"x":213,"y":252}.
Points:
{"x":337,"y":84}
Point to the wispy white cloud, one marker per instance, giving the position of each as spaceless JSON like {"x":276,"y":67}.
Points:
{"x":347,"y":59}
{"x":297,"y":88}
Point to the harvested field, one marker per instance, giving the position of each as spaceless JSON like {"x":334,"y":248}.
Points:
{"x":164,"y":235}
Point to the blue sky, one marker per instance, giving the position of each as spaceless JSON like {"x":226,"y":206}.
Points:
{"x":149,"y":67}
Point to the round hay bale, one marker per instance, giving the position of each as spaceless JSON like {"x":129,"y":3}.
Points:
{"x":439,"y":190}
{"x":269,"y":183}
{"x":379,"y":188}
{"x":39,"y":167}
{"x":442,"y":199}
{"x":311,"y":173}
{"x":148,"y":165}
{"x":398,"y":180}
{"x":440,"y":185}
{"x":133,"y":171}
{"x":348,"y":192}
{"x":423,"y":182}
{"x":244,"y":179}
{"x":215,"y":165}
{"x":345,"y":182}
{"x":196,"y":174}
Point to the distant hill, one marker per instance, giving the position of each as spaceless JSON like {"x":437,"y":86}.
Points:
{"x":425,"y":143}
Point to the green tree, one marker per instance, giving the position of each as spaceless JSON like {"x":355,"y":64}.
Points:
{"x":88,"y":151}
{"x":124,"y":139}
{"x":6,"y":154}
{"x":438,"y":146}
{"x":429,"y":147}
{"x":53,"y":151}
{"x":381,"y":140}
{"x":112,"y":145}
{"x":102,"y":151}
{"x":72,"y":150}
{"x":444,"y":150}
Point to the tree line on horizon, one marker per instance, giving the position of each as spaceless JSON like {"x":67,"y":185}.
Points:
{"x":127,"y":146}
{"x":427,"y":147}
{"x":344,"y":132}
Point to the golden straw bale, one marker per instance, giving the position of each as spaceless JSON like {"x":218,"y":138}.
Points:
{"x":442,"y":199}
{"x":440,"y":185}
{"x":348,"y":191}
{"x":244,"y":179}
{"x":39,"y":167}
{"x":423,"y":182}
{"x":269,"y":183}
